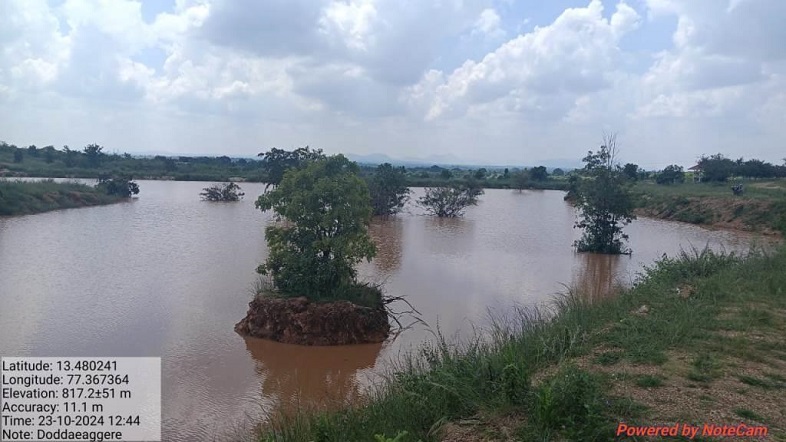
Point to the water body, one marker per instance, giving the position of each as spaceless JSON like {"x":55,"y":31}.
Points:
{"x":169,"y":275}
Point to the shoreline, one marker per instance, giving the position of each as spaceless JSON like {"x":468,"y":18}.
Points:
{"x":21,"y":198}
{"x":696,"y":341}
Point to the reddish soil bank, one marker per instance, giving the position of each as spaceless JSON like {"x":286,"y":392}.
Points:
{"x":300,"y":321}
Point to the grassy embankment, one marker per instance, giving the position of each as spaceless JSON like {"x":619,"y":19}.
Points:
{"x":23,"y":198}
{"x":708,"y":348}
{"x":761,"y":208}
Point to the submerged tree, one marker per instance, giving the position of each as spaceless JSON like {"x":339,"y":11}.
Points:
{"x":388,"y":188}
{"x":326,"y":206}
{"x":222,"y":192}
{"x":450,"y":201}
{"x":123,"y":186}
{"x":604,"y":201}
{"x":276,"y":162}
{"x":520,"y":179}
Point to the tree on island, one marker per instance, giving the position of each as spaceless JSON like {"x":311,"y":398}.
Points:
{"x":222,"y":192}
{"x":277,"y":162}
{"x":604,"y":201}
{"x":388,"y":188}
{"x":450,"y":201}
{"x":326,"y":208}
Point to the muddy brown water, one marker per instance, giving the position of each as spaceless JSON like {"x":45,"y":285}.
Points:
{"x":169,"y":275}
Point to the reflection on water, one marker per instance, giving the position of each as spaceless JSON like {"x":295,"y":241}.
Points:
{"x":598,"y":275}
{"x":297,"y":376}
{"x":448,"y":236}
{"x":387,"y":232}
{"x":169,"y":275}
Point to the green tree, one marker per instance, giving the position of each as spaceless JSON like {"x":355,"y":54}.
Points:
{"x":446,"y":174}
{"x":222,"y":192}
{"x":388,"y":188}
{"x":123,"y":186}
{"x":604,"y":201}
{"x":70,"y":156}
{"x":520,"y":179}
{"x":32,"y":150}
{"x":539,"y":173}
{"x":480,"y":173}
{"x":558,"y":172}
{"x":49,"y":154}
{"x":670,"y":175}
{"x":631,"y":171}
{"x":326,"y":206}
{"x":18,"y":156}
{"x":716,"y":168}
{"x":450,"y":201}
{"x":572,"y":194}
{"x":276,"y":162}
{"x":93,"y":153}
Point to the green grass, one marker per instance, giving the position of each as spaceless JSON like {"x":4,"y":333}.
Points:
{"x":705,"y":368}
{"x":366,"y":295}
{"x":446,"y":382}
{"x":649,"y":381}
{"x":23,"y":198}
{"x":608,"y":358}
{"x":758,"y":189}
{"x":762,"y":206}
{"x":748,"y":414}
{"x":767,"y":384}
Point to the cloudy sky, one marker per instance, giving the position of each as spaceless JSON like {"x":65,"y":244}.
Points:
{"x":473,"y":81}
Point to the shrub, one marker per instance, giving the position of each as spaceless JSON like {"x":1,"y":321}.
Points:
{"x":222,"y":192}
{"x":450,"y":201}
{"x":123,"y":186}
{"x":571,"y":402}
{"x":388,"y":188}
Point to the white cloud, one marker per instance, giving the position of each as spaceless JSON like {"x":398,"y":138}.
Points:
{"x":540,"y":71}
{"x":352,"y":21}
{"x":402,"y":76}
{"x":488,"y":25}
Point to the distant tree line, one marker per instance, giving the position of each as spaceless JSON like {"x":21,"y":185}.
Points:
{"x":719,"y":168}
{"x":93,"y":160}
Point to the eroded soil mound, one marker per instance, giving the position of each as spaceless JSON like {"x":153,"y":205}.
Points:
{"x":300,"y":321}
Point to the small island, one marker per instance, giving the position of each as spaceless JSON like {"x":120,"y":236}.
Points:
{"x":322,"y":212}
{"x":29,"y":197}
